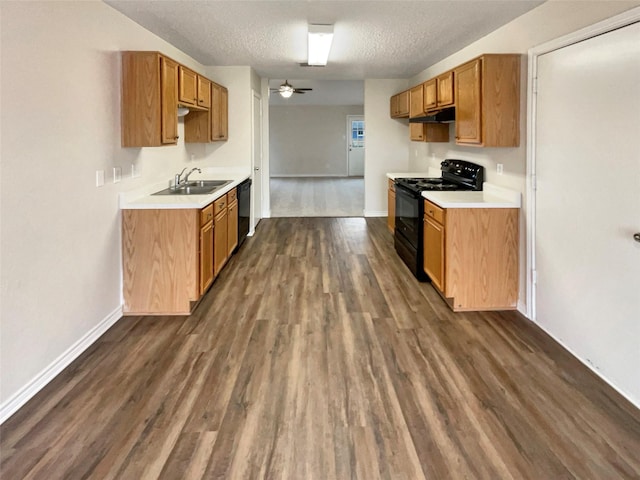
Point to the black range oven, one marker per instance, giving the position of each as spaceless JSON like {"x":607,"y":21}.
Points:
{"x":408,"y":236}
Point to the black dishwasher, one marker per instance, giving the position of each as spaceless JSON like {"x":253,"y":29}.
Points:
{"x":244,"y":210}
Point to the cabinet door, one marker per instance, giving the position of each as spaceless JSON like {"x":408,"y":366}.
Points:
{"x":169,"y":89}
{"x":206,"y":256}
{"x":433,"y":262}
{"x":232,"y":228}
{"x":391,"y":208}
{"x":416,"y":106}
{"x":188,"y":86}
{"x":416,"y":132}
{"x":224,"y":114}
{"x":430,"y":95}
{"x":468,"y":103}
{"x":204,"y":92}
{"x":220,"y":250}
{"x":393,"y":106}
{"x":218,"y":110}
{"x":403,"y":104}
{"x":445,"y":90}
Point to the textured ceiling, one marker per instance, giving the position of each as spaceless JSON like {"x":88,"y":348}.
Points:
{"x":372,"y":39}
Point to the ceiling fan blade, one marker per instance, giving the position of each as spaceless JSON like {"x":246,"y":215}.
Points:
{"x":298,"y":91}
{"x":307,"y":89}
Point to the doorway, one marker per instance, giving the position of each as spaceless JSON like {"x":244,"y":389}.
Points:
{"x":586,"y":199}
{"x":355,"y":145}
{"x":309,"y":140}
{"x":256,"y":159}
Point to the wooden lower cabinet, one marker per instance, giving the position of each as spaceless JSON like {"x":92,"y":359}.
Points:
{"x":206,"y":248}
{"x":434,"y":245}
{"x":472,"y":256}
{"x":220,"y":250}
{"x":160,"y":254}
{"x":172,"y":256}
{"x":391,"y":206}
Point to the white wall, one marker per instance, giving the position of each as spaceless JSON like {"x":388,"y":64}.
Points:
{"x":387,"y":143}
{"x":60,"y":235}
{"x":309,"y":140}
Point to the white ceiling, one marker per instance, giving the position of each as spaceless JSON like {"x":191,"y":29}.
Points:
{"x":372,"y":39}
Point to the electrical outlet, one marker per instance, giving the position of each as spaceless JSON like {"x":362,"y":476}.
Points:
{"x":500,"y":168}
{"x":134,"y":171}
{"x":99,"y":178}
{"x":117,"y":174}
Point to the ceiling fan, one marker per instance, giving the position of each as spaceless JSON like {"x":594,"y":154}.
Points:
{"x":286,"y":89}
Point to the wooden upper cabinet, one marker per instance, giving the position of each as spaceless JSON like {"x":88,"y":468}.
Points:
{"x":416,"y":105}
{"x":399,"y":105}
{"x":204,"y":92}
{"x":219,"y":113}
{"x":188,"y":86}
{"x":445,"y":97}
{"x":469,"y":107}
{"x":169,"y":100}
{"x":149,"y":100}
{"x":487,"y":99}
{"x":438,"y":92}
{"x":430,"y":95}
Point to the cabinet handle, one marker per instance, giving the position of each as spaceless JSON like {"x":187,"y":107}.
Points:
{"x":176,"y":137}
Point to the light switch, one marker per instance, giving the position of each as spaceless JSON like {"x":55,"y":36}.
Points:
{"x":99,"y":178}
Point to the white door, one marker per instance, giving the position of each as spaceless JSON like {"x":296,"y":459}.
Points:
{"x":355,"y":145}
{"x":587,"y":202}
{"x":256,"y":159}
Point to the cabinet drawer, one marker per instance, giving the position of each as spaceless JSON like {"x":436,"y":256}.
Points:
{"x":433,"y":211}
{"x":392,"y":185}
{"x":219,"y":205}
{"x":232,"y":196}
{"x":206,"y":214}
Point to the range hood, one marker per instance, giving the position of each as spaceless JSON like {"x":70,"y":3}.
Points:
{"x":447,"y":115}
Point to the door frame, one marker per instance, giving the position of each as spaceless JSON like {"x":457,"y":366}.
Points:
{"x":256,"y":96}
{"x":618,"y":21}
{"x":348,"y":128}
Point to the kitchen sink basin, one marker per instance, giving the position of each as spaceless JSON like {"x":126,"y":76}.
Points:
{"x":195,"y":187}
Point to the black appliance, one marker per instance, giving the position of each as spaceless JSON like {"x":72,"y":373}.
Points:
{"x":448,"y":115}
{"x":244,"y":210}
{"x":408,"y":235}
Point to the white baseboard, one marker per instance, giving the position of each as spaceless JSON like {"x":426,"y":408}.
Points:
{"x":375,"y":213}
{"x":36,"y":384}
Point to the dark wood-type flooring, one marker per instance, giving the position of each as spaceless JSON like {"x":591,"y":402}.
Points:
{"x":316,"y":355}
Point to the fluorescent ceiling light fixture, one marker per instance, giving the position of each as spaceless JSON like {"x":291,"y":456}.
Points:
{"x":320,"y":38}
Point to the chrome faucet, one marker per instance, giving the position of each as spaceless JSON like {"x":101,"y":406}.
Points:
{"x":186,"y":177}
{"x":176,"y":182}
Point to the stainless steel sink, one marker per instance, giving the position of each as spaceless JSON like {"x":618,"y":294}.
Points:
{"x":195,"y":187}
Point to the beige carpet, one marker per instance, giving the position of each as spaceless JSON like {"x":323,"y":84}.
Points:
{"x":317,"y":197}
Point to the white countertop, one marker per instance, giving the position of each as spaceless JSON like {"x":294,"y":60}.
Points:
{"x":491,"y":196}
{"x":393,"y":176}
{"x":143,"y":198}
{"x":432,"y":173}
